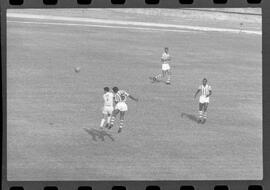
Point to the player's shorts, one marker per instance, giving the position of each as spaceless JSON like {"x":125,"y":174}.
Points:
{"x":165,"y":67}
{"x":107,"y":110}
{"x":121,"y":106}
{"x":204,"y":99}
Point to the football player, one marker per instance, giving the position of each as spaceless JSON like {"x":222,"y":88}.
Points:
{"x":120,"y":97}
{"x":206,"y":92}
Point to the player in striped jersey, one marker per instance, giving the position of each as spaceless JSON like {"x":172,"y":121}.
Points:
{"x":108,"y":107}
{"x":120,"y":97}
{"x":166,"y":69}
{"x":206,"y":91}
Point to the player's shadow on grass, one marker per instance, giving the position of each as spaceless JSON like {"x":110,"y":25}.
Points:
{"x":190,"y":117}
{"x":98,"y":134}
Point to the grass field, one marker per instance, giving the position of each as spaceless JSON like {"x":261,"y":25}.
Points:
{"x":53,"y":113}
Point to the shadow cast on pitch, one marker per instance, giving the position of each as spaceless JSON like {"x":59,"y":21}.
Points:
{"x":98,"y":134}
{"x":190,"y":117}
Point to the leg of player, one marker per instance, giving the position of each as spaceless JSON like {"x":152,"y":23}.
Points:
{"x":122,"y":115}
{"x":102,"y":121}
{"x":109,"y":114}
{"x":168,"y":77}
{"x":108,"y":119}
{"x":200,"y":112}
{"x":163,"y":73}
{"x":205,"y":112}
{"x":114,"y":114}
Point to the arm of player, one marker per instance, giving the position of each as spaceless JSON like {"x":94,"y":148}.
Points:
{"x":165,"y":59}
{"x":114,"y":101}
{"x":197,"y":93}
{"x":135,"y":99}
{"x":210,"y":92}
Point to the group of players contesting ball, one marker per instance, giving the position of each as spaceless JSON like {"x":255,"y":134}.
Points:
{"x":115,"y":101}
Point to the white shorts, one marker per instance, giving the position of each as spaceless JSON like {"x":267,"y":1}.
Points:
{"x":107,"y":110}
{"x":121,"y":106}
{"x":165,"y":67}
{"x":204,"y":99}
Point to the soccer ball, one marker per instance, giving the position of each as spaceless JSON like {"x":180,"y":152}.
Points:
{"x":77,"y":69}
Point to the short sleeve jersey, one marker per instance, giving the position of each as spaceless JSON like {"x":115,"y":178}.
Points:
{"x":205,"y":89}
{"x":121,"y":96}
{"x":165,"y":58}
{"x":108,"y":99}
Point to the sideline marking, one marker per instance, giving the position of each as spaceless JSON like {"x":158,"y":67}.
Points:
{"x":101,"y":26}
{"x":131,"y":23}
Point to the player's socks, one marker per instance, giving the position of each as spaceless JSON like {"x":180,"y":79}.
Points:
{"x":121,"y":124}
{"x":108,"y":119}
{"x":108,"y":122}
{"x":102,"y":122}
{"x":205,"y":115}
{"x":112,"y":122}
{"x":200,"y":116}
{"x":168,"y":79}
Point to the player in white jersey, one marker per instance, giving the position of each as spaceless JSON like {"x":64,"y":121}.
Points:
{"x":120,"y":97}
{"x":108,"y":106}
{"x":165,"y":67}
{"x":206,"y":91}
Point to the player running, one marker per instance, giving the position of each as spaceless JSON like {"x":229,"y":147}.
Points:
{"x":166,"y":69}
{"x":120,"y":97}
{"x":108,"y":107}
{"x":206,"y":91}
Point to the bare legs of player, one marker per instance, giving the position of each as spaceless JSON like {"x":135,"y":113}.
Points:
{"x":168,"y":77}
{"x":202,"y":112}
{"x":102,"y":121}
{"x":205,"y":112}
{"x":114,"y":114}
{"x":122,"y":116}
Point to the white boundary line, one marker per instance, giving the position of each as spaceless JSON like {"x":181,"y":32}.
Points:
{"x":99,"y":26}
{"x":130,"y":23}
